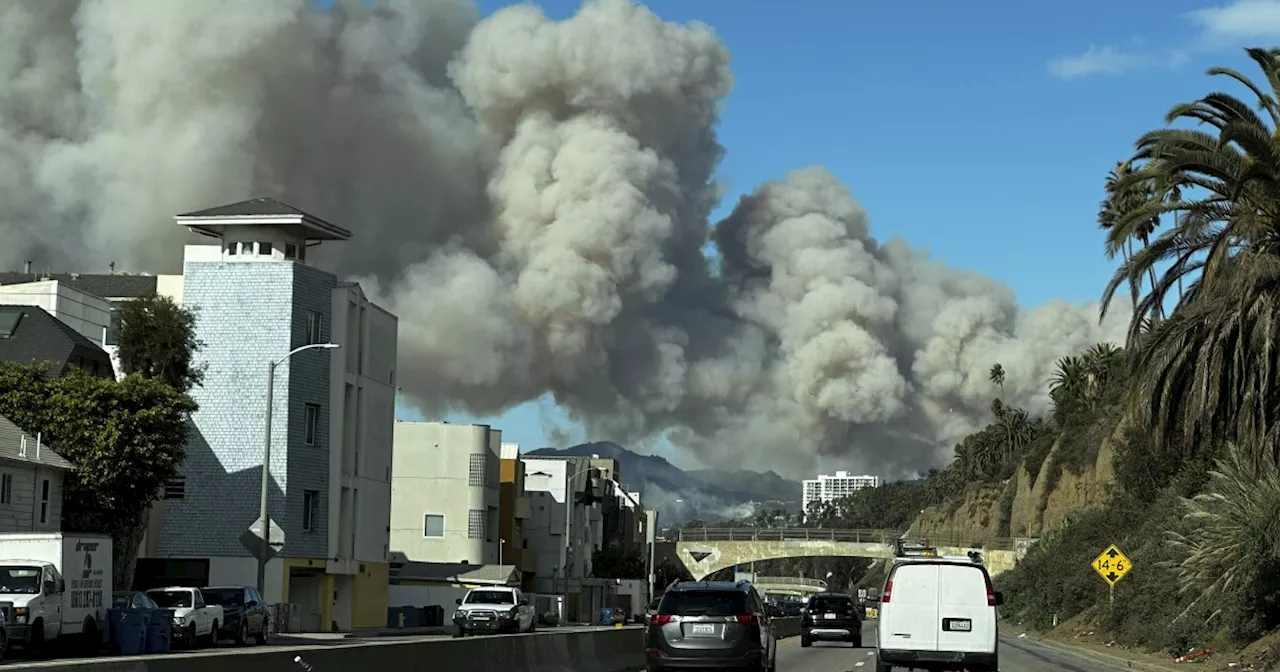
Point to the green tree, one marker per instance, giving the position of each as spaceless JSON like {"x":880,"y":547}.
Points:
{"x":157,"y":340}
{"x":1208,"y":372}
{"x":617,"y":562}
{"x":125,"y":439}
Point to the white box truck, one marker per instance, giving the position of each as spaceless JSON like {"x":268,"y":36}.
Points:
{"x":59,"y":584}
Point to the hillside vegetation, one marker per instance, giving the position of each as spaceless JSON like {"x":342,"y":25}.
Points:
{"x":1168,"y":447}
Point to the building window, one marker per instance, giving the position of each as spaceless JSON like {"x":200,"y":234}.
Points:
{"x":176,"y":488}
{"x":491,"y":523}
{"x":290,"y":251}
{"x":475,"y":524}
{"x":264,"y":249}
{"x":311,"y":418}
{"x":314,"y":322}
{"x":6,"y":489}
{"x":475,"y":477}
{"x":310,"y":509}
{"x":44,"y":501}
{"x":433,"y":526}
{"x":246,"y":248}
{"x":232,"y":248}
{"x":113,"y":327}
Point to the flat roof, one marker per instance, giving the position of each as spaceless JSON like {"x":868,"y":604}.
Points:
{"x":260,"y":211}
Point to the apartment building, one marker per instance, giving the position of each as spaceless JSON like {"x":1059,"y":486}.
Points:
{"x":828,"y":488}
{"x":573,"y":531}
{"x":333,"y":414}
{"x":514,"y":512}
{"x":444,"y":493}
{"x":87,"y":302}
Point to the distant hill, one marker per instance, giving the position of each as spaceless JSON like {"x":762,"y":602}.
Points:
{"x":708,"y":494}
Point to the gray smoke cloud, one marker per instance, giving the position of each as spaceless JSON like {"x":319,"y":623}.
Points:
{"x":531,"y":197}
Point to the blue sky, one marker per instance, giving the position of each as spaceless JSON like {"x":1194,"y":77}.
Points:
{"x":980,"y":131}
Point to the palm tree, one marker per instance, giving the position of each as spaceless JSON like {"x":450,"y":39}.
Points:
{"x":997,"y":376}
{"x":1123,"y":196}
{"x":1212,"y":366}
{"x":1233,"y":533}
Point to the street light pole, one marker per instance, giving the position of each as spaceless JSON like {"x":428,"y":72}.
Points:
{"x":266,"y":462}
{"x":651,"y":523}
{"x":570,"y":544}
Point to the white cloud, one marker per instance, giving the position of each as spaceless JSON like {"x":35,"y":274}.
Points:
{"x":1240,"y":23}
{"x":1228,"y":24}
{"x":1110,"y":60}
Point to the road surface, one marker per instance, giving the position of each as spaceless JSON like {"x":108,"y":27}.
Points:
{"x":1016,"y":655}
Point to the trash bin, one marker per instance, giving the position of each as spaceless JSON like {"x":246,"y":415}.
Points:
{"x":160,"y":631}
{"x":434,"y":615}
{"x":606,"y":616}
{"x":128,"y":631}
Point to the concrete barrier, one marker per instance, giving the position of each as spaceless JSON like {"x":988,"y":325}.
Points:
{"x":787,"y":627}
{"x":611,"y":650}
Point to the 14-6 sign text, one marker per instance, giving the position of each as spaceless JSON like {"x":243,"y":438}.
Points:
{"x":1112,"y":565}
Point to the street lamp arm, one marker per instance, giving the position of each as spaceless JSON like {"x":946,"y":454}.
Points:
{"x":264,"y":486}
{"x":310,"y":346}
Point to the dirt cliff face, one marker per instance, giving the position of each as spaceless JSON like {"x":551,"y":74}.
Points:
{"x":1023,"y":506}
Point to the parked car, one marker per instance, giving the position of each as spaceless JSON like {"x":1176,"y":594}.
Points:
{"x":831,"y":617}
{"x":132,"y":600}
{"x":244,"y":613}
{"x":938,"y":614}
{"x":492,"y":610}
{"x":711,"y":624}
{"x":193,"y":618}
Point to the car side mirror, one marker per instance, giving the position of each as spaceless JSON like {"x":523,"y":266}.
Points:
{"x":458,"y":601}
{"x":998,"y":598}
{"x":251,"y":603}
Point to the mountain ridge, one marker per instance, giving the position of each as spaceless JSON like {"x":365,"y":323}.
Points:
{"x":706,"y":494}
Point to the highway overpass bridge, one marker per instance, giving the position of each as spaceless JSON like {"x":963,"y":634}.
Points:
{"x":704,"y":550}
{"x":789,"y":585}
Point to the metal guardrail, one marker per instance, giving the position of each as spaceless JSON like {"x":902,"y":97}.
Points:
{"x":788,"y":581}
{"x":826,"y":534}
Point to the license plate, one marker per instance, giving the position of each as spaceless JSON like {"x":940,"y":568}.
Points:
{"x":830,"y":617}
{"x":481,"y":618}
{"x":957,"y":624}
{"x":702,"y":630}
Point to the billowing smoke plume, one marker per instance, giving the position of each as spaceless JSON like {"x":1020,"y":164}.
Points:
{"x":531,"y":197}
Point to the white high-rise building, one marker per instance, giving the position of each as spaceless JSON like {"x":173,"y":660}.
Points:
{"x":827,"y":488}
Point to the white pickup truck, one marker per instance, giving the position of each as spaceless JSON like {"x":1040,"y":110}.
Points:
{"x":193,"y":619}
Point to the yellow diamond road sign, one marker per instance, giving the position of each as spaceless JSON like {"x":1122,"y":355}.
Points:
{"x":1112,"y":565}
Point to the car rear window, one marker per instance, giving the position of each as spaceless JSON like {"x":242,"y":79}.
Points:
{"x":703,"y":603}
{"x":831,"y":605}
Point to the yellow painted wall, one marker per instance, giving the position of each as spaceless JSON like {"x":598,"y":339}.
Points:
{"x":369,"y":601}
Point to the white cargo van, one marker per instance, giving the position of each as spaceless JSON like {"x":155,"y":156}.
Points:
{"x":59,"y":584}
{"x":938,"y":614}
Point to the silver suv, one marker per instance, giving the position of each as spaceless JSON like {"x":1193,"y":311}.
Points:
{"x":711,"y":624}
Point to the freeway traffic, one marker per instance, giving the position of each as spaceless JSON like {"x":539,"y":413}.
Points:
{"x":1016,"y":655}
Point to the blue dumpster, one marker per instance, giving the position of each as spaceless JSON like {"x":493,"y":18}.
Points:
{"x":159,"y":631}
{"x":606,"y":616}
{"x":128,"y":631}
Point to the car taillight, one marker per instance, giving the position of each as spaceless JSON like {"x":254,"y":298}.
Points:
{"x":886,"y":593}
{"x":747,"y":619}
{"x":659,"y":619}
{"x":991,"y":594}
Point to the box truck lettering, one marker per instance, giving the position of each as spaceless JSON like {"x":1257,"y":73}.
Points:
{"x":86,"y":593}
